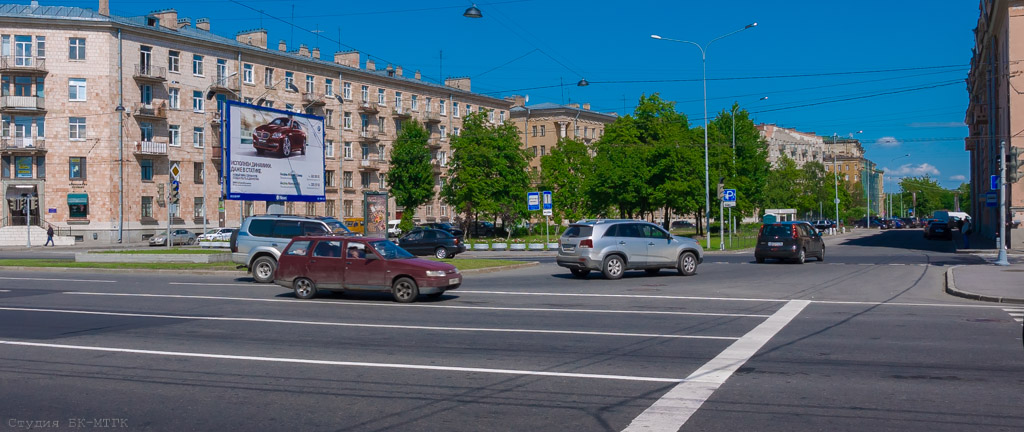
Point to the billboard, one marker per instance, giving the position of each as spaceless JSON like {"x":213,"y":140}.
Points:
{"x":272,"y":155}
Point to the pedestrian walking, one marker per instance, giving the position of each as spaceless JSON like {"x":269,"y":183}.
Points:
{"x":49,"y":236}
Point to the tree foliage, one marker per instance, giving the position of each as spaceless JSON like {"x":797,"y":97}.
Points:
{"x":563,"y":171}
{"x":411,"y":178}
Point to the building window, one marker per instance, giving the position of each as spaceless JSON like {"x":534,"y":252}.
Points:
{"x":76,"y":169}
{"x":197,"y":101}
{"x":444,"y":132}
{"x":147,"y":207}
{"x":365,"y":93}
{"x":145,"y":131}
{"x":346,"y":91}
{"x":347,"y":207}
{"x":329,"y":178}
{"x":76,"y":89}
{"x":429,"y":108}
{"x":222,"y":71}
{"x":198,"y":137}
{"x":347,"y":124}
{"x":501,"y":116}
{"x":415,"y":103}
{"x":364,"y":180}
{"x":381,"y":98}
{"x":76,"y":128}
{"x":198,"y":208}
{"x":490,"y":117}
{"x":310,"y":209}
{"x":442,"y":107}
{"x":268,"y":77}
{"x":398,"y":101}
{"x":542,"y":150}
{"x":455,"y":109}
{"x":365,"y":122}
{"x":174,"y":135}
{"x":173,"y":61}
{"x":365,"y":152}
{"x":535,"y":131}
{"x":76,"y":48}
{"x":309,"y":83}
{"x":381,"y":121}
{"x":174,"y":95}
{"x":469,"y":109}
{"x":329,"y":87}
{"x":329,"y":207}
{"x":147,"y":94}
{"x":289,"y":80}
{"x":542,"y":128}
{"x":348,"y":150}
{"x":346,"y":178}
{"x":247,"y":74}
{"x":146,"y":170}
{"x":329,"y":148}
{"x":197,"y":65}
{"x":329,"y":117}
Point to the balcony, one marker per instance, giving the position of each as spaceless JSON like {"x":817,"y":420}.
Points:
{"x":313,"y":99}
{"x":25,"y":145}
{"x":369,"y":107}
{"x":225,"y":84}
{"x":151,"y":147}
{"x":369,"y":135}
{"x":157,"y":111}
{"x":150,"y":73}
{"x":23,"y":105}
{"x":435,"y":143}
{"x":431,"y":117}
{"x":216,"y":151}
{"x":29,"y":65}
{"x":402,"y":112}
{"x":370,"y":164}
{"x":436,"y":165}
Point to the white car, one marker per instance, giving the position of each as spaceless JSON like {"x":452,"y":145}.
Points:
{"x":217,"y":234}
{"x":393,"y":229}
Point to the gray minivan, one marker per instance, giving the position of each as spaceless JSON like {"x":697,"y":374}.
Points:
{"x":613,"y":246}
{"x":257,"y":244}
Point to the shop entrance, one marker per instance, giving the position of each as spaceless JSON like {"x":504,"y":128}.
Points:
{"x":16,"y":205}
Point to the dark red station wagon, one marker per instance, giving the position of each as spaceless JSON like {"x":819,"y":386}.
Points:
{"x":314,"y":263}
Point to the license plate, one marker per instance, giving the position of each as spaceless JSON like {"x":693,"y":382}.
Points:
{"x":568,"y":248}
{"x":774,"y":244}
{"x":939,"y":230}
{"x":453,"y":281}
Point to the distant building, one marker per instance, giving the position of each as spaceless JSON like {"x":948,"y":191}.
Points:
{"x":801,"y":147}
{"x":847,"y":156}
{"x":542,"y":125}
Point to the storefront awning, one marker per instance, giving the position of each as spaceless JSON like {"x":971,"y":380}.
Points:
{"x":78,"y":199}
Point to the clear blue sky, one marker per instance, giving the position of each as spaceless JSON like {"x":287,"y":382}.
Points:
{"x":894,"y":69}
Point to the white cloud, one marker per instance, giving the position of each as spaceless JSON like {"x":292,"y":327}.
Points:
{"x":958,"y":177}
{"x":911,"y":170}
{"x":887,"y":142}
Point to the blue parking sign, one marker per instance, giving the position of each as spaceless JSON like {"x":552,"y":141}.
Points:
{"x":995,"y":182}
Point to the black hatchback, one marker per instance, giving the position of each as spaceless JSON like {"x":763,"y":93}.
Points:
{"x":426,"y":241}
{"x":789,"y":240}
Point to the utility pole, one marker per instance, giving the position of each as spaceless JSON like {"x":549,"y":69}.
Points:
{"x":1001,"y":259}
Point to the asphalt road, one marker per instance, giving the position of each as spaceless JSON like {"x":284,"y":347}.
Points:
{"x":864,"y":341}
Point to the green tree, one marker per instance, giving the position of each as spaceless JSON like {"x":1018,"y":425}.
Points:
{"x":782,"y":184}
{"x":564,"y":171}
{"x":930,"y":196}
{"x":746,"y":169}
{"x":411,"y":178}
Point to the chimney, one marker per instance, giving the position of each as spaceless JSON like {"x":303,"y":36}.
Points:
{"x":168,"y":18}
{"x":254,"y":37}
{"x":303,"y":50}
{"x":574,"y":105}
{"x":203,"y":24}
{"x":586,"y":106}
{"x":347,"y":58}
{"x":390,"y":70}
{"x":516,"y":100}
{"x":370,"y":66}
{"x":398,"y":70}
{"x":104,"y":8}
{"x":461,"y":83}
{"x":417,"y":75}
{"x":184,"y":22}
{"x":316,"y":53}
{"x":281,"y":46}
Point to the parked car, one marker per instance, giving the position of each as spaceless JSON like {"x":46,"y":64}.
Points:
{"x":486,"y":229}
{"x":823,"y":224}
{"x":216,"y":234}
{"x":324,"y":263}
{"x":355,"y":225}
{"x":910,"y":222}
{"x":178,"y":237}
{"x":862,"y":223}
{"x":393,"y":229}
{"x":938,"y":228}
{"x":337,"y":227}
{"x":444,"y":226}
{"x":681,"y":224}
{"x":789,"y":240}
{"x":258,"y":242}
{"x":613,"y":246}
{"x":282,"y":135}
{"x":428,"y":241}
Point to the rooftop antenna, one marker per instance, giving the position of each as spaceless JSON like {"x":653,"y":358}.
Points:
{"x":317,"y":33}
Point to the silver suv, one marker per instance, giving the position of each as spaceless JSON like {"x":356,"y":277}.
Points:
{"x":257,"y":244}
{"x":613,"y":246}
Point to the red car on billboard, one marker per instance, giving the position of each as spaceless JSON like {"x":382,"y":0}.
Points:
{"x":283,"y":136}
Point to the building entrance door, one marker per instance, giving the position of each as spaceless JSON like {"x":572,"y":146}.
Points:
{"x":16,"y":205}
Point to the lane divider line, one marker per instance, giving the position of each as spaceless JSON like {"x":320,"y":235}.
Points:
{"x":57,"y":280}
{"x":674,"y":408}
{"x":386,"y":326}
{"x":341,"y":363}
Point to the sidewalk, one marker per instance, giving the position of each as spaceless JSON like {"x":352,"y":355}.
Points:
{"x":987,"y":282}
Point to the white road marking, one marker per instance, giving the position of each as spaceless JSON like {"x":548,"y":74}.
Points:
{"x":344,"y":303}
{"x":387,"y":326}
{"x":674,"y":408}
{"x":343,"y":363}
{"x":216,"y":284}
{"x":58,"y":280}
{"x":5,"y":290}
{"x":1016,"y":313}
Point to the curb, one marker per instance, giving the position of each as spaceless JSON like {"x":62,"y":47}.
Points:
{"x":952,"y":290}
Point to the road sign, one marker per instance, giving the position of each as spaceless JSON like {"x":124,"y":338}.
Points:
{"x":547,"y":212}
{"x":547,"y":200}
{"x":994,"y":185}
{"x":729,"y":197}
{"x":910,"y":212}
{"x":533,"y":201}
{"x":991,"y":199}
{"x":175,"y":170}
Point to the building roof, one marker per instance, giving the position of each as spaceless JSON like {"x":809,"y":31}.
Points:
{"x":140,"y":22}
{"x":549,"y":106}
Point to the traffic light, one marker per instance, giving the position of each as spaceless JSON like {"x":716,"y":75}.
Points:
{"x":1014,"y":166}
{"x":174,"y":192}
{"x":33,"y":204}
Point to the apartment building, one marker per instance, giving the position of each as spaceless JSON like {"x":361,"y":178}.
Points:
{"x":992,"y":117}
{"x":97,"y":108}
{"x":542,"y":125}
{"x":801,"y":147}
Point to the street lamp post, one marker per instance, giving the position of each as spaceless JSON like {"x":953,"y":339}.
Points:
{"x":704,"y":63}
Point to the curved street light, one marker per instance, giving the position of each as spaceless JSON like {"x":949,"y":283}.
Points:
{"x":704,"y":62}
{"x":473,"y":12}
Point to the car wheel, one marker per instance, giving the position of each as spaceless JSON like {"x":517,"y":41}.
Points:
{"x":304,"y":288}
{"x":613,"y":267}
{"x":286,"y":147}
{"x":191,"y":241}
{"x":687,"y":264}
{"x":652,"y":272}
{"x":759,"y":259}
{"x":821,"y":256}
{"x":441,"y":253}
{"x":800,"y":259}
{"x":580,"y":273}
{"x":405,"y":290}
{"x":263,"y":269}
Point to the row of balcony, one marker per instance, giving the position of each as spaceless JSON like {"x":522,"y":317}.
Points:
{"x":23,"y":65}
{"x":27,"y":144}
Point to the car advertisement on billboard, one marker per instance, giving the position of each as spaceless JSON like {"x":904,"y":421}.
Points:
{"x":272,"y":155}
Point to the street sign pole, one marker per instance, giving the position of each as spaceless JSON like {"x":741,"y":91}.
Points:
{"x":1001,"y":260}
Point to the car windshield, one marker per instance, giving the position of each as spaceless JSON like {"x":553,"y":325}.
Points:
{"x":578,"y":231}
{"x":390,"y":250}
{"x":280,"y":122}
{"x":778,"y":230}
